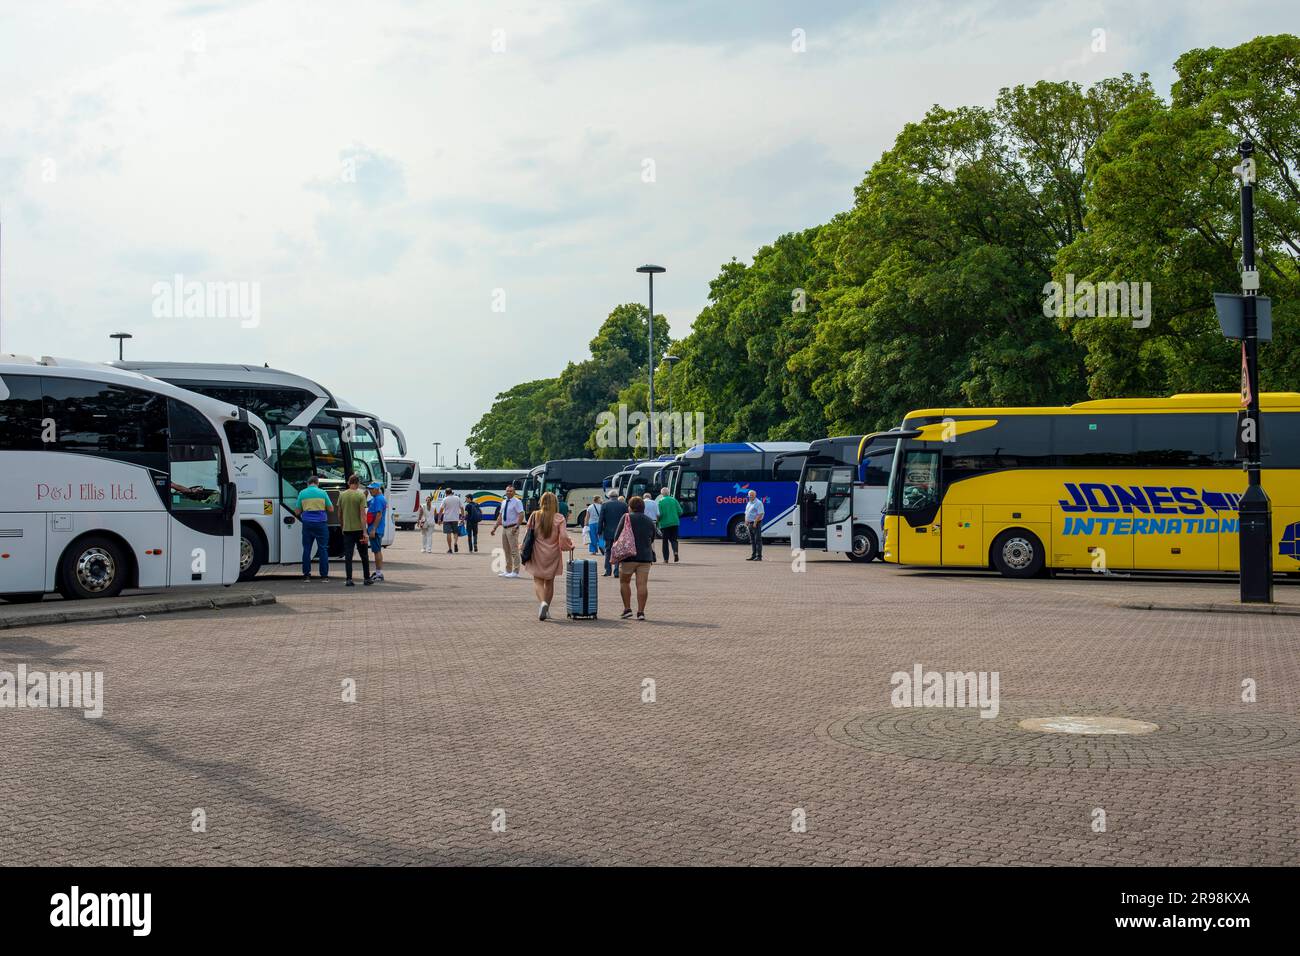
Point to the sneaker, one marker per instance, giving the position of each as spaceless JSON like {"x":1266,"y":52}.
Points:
{"x":458,"y":549}
{"x":350,"y":583}
{"x":306,"y":577}
{"x":627,"y":613}
{"x":513,"y":574}
{"x":675,"y":559}
{"x":543,"y":612}
{"x":640,"y":615}
{"x":379,"y":575}
{"x":503,"y":574}
{"x":367,"y":582}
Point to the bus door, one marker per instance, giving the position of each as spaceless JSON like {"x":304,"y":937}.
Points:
{"x":918,"y":531}
{"x":293,"y":466}
{"x":204,"y":509}
{"x":808,"y":520}
{"x":838,"y":526}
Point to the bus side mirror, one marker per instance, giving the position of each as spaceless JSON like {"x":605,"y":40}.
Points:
{"x":229,"y":499}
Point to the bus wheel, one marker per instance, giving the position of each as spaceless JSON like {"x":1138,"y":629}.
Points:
{"x":739,"y":531}
{"x":864,"y":546}
{"x":93,"y":567}
{"x":252,"y":552}
{"x":1018,"y":553}
{"x":29,"y":597}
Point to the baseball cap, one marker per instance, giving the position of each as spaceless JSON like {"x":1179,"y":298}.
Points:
{"x":374,"y":484}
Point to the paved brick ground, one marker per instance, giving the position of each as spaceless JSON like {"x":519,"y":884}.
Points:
{"x":466,"y":703}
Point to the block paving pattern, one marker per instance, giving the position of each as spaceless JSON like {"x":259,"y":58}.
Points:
{"x":467,"y":704}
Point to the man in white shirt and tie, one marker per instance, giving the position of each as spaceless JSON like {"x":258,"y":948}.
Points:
{"x":509,"y":517}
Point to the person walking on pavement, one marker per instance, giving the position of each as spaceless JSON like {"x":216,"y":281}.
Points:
{"x":453,"y":510}
{"x":754,"y":522}
{"x":670,"y":520}
{"x":593,"y":526}
{"x":473,"y":515}
{"x":611,"y":513}
{"x":376,"y":515}
{"x":550,"y":541}
{"x":352,"y":519}
{"x":313,"y":513}
{"x":509,"y":516}
{"x":427,"y":522}
{"x":651,"y":506}
{"x":638,"y":566}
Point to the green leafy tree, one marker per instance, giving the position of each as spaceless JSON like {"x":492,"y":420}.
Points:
{"x":1163,"y":209}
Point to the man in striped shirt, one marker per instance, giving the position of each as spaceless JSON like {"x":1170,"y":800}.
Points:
{"x":313,"y":511}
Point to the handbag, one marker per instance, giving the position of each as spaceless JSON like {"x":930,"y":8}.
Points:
{"x":526,"y":550}
{"x":624,"y":543}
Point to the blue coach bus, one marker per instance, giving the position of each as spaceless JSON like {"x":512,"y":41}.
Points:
{"x":712,"y":483}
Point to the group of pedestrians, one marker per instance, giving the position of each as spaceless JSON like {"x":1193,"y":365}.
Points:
{"x":362,"y":522}
{"x":456,"y":516}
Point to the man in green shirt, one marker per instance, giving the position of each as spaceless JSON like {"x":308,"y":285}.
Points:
{"x":352,"y":518}
{"x":670,"y":519}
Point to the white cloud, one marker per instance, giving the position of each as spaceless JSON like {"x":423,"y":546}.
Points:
{"x":211,"y":139}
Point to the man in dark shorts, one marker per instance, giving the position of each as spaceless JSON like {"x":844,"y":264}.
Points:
{"x":376,"y":514}
{"x":453,"y":509}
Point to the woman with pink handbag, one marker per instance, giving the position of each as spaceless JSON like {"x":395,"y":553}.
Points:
{"x":633,"y":550}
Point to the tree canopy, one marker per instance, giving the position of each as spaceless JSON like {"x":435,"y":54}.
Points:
{"x":931,"y":289}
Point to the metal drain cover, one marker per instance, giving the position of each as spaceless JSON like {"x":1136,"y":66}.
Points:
{"x":1087,"y":725}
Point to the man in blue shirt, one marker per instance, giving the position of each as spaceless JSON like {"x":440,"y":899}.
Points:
{"x":376,"y":512}
{"x":313,"y":511}
{"x":754,"y":522}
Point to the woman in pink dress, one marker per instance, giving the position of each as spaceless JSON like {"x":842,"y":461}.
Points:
{"x":550,"y":541}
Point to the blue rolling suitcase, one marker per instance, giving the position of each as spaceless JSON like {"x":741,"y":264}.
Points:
{"x":580,"y":590}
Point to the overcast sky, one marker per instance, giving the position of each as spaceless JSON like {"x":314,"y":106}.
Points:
{"x":380,"y":170}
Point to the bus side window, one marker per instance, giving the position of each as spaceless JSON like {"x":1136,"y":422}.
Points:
{"x":244,"y":439}
{"x":876,"y":468}
{"x":22,"y":414}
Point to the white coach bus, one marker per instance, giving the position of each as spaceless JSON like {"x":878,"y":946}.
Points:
{"x":404,"y":490}
{"x":112,"y":480}
{"x":312,"y":432}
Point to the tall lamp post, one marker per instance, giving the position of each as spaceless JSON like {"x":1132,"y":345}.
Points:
{"x":671,"y":361}
{"x":121,"y":338}
{"x":1254,"y":534}
{"x":651,"y":272}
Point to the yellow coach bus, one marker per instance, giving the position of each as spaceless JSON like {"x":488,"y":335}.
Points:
{"x":1140,"y":483}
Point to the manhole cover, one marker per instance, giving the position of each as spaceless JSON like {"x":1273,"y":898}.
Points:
{"x":1087,"y":725}
{"x":1167,"y":737}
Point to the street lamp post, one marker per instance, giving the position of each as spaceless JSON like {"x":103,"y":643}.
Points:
{"x":121,"y":338}
{"x":672,"y":361}
{"x":1254,"y":534}
{"x":651,"y":272}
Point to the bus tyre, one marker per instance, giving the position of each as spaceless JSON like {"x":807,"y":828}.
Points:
{"x":738,"y":533}
{"x":1018,"y":553}
{"x":864,"y":546}
{"x":252,"y":552}
{"x":93,"y":567}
